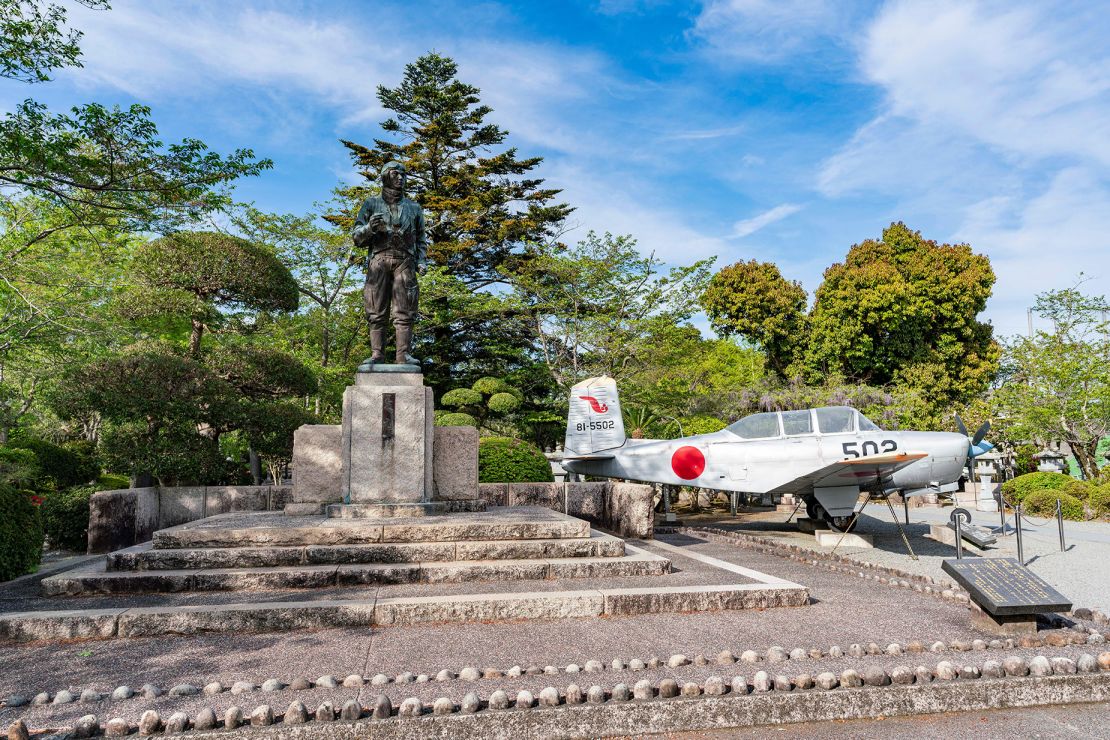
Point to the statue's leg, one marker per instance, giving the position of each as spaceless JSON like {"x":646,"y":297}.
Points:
{"x":405,"y":302}
{"x":375,"y":297}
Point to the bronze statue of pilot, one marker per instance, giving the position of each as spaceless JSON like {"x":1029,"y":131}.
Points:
{"x":391,"y":229}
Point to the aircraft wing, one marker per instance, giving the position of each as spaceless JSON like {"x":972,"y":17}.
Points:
{"x":860,"y":471}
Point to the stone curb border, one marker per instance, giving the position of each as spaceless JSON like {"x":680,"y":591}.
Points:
{"x":772,"y":655}
{"x":1013,"y":682}
{"x":887,"y":575}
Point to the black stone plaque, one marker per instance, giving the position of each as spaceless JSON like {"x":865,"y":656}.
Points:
{"x":1002,"y":587}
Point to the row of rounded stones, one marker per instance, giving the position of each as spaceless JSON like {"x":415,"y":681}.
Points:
{"x":151,"y":722}
{"x":470,"y":673}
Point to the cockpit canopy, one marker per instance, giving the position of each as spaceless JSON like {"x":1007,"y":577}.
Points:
{"x":824,"y":420}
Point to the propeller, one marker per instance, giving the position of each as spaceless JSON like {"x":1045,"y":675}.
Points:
{"x":976,"y":446}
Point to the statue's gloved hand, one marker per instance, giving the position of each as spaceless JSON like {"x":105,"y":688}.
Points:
{"x":376,"y":223}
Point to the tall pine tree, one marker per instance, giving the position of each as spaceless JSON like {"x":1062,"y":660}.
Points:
{"x":487,"y":219}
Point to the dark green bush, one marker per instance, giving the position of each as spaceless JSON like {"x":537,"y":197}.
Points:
{"x":1099,"y":500}
{"x":20,"y":532}
{"x":65,"y":517}
{"x":1017,"y":489}
{"x":60,"y":467}
{"x":1043,"y":503}
{"x":456,"y":419}
{"x":19,"y":468}
{"x":1080,"y":489}
{"x":505,"y":460}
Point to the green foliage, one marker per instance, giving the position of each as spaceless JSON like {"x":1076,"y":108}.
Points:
{"x":1043,"y":503}
{"x":503,"y":403}
{"x":174,"y":453}
{"x":1058,"y":383}
{"x":270,"y":427}
{"x":1024,"y":461}
{"x":34,"y":39}
{"x":20,"y":533}
{"x":65,"y":516}
{"x":112,"y":482}
{"x":753,"y":300}
{"x":456,"y":419}
{"x":702,"y":425}
{"x":506,"y":460}
{"x":1079,"y":489}
{"x":18,"y":467}
{"x":1017,"y":489}
{"x":1099,"y":500}
{"x":58,"y":466}
{"x":260,"y":373}
{"x":461,"y":397}
{"x":489,"y":386}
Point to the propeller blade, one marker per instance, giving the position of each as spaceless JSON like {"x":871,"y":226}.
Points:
{"x":960,"y":425}
{"x":982,"y":432}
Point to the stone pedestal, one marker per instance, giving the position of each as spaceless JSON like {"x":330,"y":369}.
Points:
{"x":387,"y":440}
{"x":1012,"y":625}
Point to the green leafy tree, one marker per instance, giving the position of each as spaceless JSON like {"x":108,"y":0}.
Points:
{"x":597,"y":306}
{"x":489,"y":402}
{"x":193,"y":275}
{"x":34,"y":39}
{"x":488,"y":216}
{"x":753,"y":300}
{"x":1056,"y":384}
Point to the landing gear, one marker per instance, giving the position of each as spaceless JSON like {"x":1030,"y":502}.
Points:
{"x":817,"y":512}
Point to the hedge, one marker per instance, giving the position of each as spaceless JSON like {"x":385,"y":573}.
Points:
{"x":1099,"y":500}
{"x":1017,"y":489}
{"x":506,"y":460}
{"x":20,"y":533}
{"x":1043,"y":503}
{"x":457,"y":419}
{"x":61,"y":467}
{"x":65,"y":517}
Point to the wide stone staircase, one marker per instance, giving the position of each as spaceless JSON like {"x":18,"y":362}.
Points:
{"x":271,"y":551}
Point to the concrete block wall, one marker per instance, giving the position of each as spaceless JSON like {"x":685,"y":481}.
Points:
{"x":127,"y":516}
{"x":623,"y":508}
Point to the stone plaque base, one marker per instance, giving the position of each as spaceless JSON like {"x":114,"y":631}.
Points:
{"x":829,"y":538}
{"x":1008,"y":625}
{"x":385,"y":510}
{"x":387,"y":439}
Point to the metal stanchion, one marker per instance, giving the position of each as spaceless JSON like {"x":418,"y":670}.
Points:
{"x":1017,"y":531}
{"x":906,"y":506}
{"x":958,"y":521}
{"x":1002,"y":512}
{"x":1060,"y":523}
{"x":732,"y":496}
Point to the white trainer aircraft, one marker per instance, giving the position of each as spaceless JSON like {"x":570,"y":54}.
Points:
{"x":826,"y":456}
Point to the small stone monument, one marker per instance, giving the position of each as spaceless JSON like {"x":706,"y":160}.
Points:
{"x":1005,"y":596}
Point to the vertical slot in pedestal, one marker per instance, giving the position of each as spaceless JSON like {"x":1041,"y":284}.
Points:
{"x":389,"y":409}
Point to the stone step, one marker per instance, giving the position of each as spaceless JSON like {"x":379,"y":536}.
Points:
{"x":276,"y":529}
{"x":94,"y":579}
{"x":143,"y":557}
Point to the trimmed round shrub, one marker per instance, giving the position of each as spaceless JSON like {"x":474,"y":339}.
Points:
{"x":461,"y":397}
{"x":503,"y":403}
{"x":20,"y":533}
{"x":457,"y":420}
{"x":1099,"y":500}
{"x":1080,"y":489}
{"x":507,"y":460}
{"x":65,"y":517}
{"x":490,"y":386}
{"x":19,"y":468}
{"x":60,"y":467}
{"x":1043,"y":503}
{"x":1017,"y":489}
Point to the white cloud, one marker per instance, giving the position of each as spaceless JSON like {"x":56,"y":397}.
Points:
{"x":769,"y":30}
{"x":995,"y":123}
{"x":751,"y":225}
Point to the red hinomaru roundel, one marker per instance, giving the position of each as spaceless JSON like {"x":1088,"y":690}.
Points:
{"x":688,"y":462}
{"x":595,"y":404}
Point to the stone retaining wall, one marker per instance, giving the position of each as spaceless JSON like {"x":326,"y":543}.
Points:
{"x":625,"y":509}
{"x":127,"y":516}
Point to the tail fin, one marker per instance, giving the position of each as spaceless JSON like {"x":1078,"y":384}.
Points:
{"x":594,"y":421}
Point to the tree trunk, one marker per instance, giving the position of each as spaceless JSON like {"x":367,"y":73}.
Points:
{"x":1085,"y":456}
{"x":256,"y":466}
{"x":194,"y":337}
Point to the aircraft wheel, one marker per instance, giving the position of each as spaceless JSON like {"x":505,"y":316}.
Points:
{"x":840,"y":523}
{"x":814,"y":510}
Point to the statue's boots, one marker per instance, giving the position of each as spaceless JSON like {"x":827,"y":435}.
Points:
{"x":404,"y":344}
{"x":377,"y":346}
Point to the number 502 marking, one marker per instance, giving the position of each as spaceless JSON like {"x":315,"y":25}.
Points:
{"x":868,"y":447}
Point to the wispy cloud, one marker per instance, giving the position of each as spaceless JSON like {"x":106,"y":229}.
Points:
{"x":749,"y":226}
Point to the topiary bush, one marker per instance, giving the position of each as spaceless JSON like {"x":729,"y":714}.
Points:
{"x":65,"y":517}
{"x":461,"y":397}
{"x":19,"y":468}
{"x":1099,"y":500}
{"x":20,"y":533}
{"x":507,"y":460}
{"x":1080,"y":489}
{"x":456,"y":419}
{"x":60,"y":467}
{"x":1018,"y":488}
{"x":503,"y":403}
{"x":1043,"y":503}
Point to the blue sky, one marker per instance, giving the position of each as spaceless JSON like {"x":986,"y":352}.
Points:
{"x":784,"y":130}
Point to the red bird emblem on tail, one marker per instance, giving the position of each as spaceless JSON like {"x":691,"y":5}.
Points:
{"x":596,"y":405}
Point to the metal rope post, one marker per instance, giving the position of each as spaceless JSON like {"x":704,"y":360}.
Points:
{"x":1017,"y":531}
{"x":1060,"y":522}
{"x":958,"y":521}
